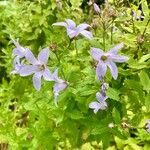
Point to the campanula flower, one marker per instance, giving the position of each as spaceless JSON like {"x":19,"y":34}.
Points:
{"x":58,"y":86}
{"x":107,"y":59}
{"x":148,"y":126}
{"x":73,"y":30}
{"x":17,"y":65}
{"x":37,"y":67}
{"x":96,"y":8}
{"x":20,"y":51}
{"x":100,"y":103}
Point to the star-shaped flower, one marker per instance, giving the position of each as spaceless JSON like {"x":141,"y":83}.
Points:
{"x":73,"y":30}
{"x":37,"y":67}
{"x":108,"y":59}
{"x":101,"y":104}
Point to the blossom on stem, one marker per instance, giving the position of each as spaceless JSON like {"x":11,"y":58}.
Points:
{"x":101,"y":104}
{"x":148,"y":126}
{"x":108,"y":59}
{"x":20,"y":51}
{"x":73,"y":30}
{"x":58,"y":86}
{"x":37,"y":67}
{"x":17,"y":65}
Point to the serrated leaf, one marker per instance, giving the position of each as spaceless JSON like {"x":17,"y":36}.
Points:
{"x":145,"y":80}
{"x":144,"y":58}
{"x":116,"y":115}
{"x":147,"y":101}
{"x":113,"y":94}
{"x":75,"y":114}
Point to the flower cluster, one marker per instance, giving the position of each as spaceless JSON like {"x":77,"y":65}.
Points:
{"x":26,"y":64}
{"x":104,"y":60}
{"x":101,"y":99}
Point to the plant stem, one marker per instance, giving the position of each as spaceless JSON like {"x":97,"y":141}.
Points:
{"x":104,"y":34}
{"x":112,"y":32}
{"x":58,"y":58}
{"x":146,"y":27}
{"x":75,"y":45}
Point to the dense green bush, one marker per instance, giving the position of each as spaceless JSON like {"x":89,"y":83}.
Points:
{"x":29,"y":119}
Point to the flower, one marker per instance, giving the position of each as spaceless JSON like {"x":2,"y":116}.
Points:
{"x":101,"y":104}
{"x":17,"y":65}
{"x":58,"y":86}
{"x":148,"y":126}
{"x":107,"y":59}
{"x":37,"y":67}
{"x":73,"y":31}
{"x":96,"y":8}
{"x":20,"y":51}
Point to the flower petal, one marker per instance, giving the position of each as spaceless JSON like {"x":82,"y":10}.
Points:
{"x":48,"y":75}
{"x":103,"y":105}
{"x":95,"y":106}
{"x":101,"y":70}
{"x":96,"y":53}
{"x":55,"y":75}
{"x":43,"y":55}
{"x":120,"y":59}
{"x":82,"y":27}
{"x":87,"y":34}
{"x":113,"y":69}
{"x":30,"y":57}
{"x":71,"y":33}
{"x":27,"y":70}
{"x":115,"y":49}
{"x":96,"y":8}
{"x":100,"y":97}
{"x":58,"y":87}
{"x":60,"y":24}
{"x":37,"y":80}
{"x":71,"y":24}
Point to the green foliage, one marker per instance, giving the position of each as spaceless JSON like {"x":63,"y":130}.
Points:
{"x":30,"y":119}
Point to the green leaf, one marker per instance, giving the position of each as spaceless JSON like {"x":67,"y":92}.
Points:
{"x":147,"y":102}
{"x":145,"y":80}
{"x":113,"y":94}
{"x":116,"y":115}
{"x":75,"y":114}
{"x":144,"y":58}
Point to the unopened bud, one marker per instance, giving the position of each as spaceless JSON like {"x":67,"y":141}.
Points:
{"x":96,"y":8}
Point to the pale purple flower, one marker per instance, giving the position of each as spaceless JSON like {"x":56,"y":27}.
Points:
{"x":107,"y":59}
{"x":96,"y":8}
{"x":17,"y":65}
{"x":58,"y":86}
{"x":37,"y":67}
{"x":73,"y":30}
{"x":148,"y":126}
{"x":100,"y":103}
{"x":20,"y":51}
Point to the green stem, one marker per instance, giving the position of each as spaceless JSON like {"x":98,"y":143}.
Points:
{"x":75,"y":45}
{"x":104,"y":34}
{"x":112,"y":32}
{"x":58,"y":58}
{"x":146,"y":27}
